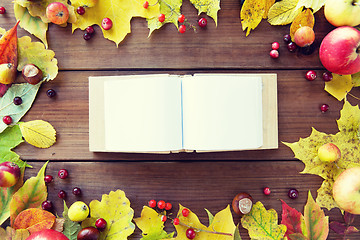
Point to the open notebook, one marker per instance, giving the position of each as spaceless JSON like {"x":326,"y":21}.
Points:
{"x":171,"y":113}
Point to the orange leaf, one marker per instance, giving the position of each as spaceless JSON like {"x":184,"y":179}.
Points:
{"x":34,"y":219}
{"x":8,"y":46}
{"x":304,"y":18}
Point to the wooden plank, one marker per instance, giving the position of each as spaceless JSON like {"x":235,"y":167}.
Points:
{"x":298,"y":110}
{"x":198,"y":185}
{"x":224,"y":46}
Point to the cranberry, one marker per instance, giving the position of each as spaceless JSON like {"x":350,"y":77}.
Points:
{"x":51,"y":93}
{"x":161,"y":17}
{"x":311,"y":75}
{"x":181,"y":18}
{"x":152,"y":203}
{"x":274,"y":53}
{"x":287,"y":38}
{"x":324,"y":108}
{"x":182,"y":29}
{"x":267,"y":191}
{"x":76,"y":191}
{"x":190,"y":233}
{"x":46,"y":205}
{"x":87,"y":36}
{"x":106,"y":24}
{"x":62,"y":194}
{"x":168,"y":206}
{"x":2,"y":10}
{"x":291,"y":47}
{"x":161,"y":204}
{"x":63,"y":173}
{"x":7,"y":120}
{"x":146,"y":4}
{"x":17,"y":100}
{"x":293,"y":193}
{"x":202,"y":22}
{"x":90,"y":30}
{"x":48,"y":178}
{"x":80,"y":10}
{"x":176,"y":221}
{"x":327,"y":76}
{"x":275,"y":45}
{"x":100,"y":224}
{"x":185,"y":212}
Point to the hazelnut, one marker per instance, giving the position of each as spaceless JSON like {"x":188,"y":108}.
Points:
{"x":242,"y":203}
{"x":88,"y":233}
{"x":32,"y":74}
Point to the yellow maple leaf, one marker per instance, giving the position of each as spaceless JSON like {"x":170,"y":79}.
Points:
{"x":38,"y":133}
{"x":120,"y":12}
{"x":339,"y":86}
{"x":210,"y":7}
{"x":304,"y":18}
{"x":283,"y":12}
{"x":251,"y":14}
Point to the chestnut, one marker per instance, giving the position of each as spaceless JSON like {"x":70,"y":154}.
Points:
{"x":88,"y":233}
{"x":242,"y":203}
{"x":32,"y":74}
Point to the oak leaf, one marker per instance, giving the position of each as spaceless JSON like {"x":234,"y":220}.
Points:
{"x":339,"y":86}
{"x":263,"y":224}
{"x":34,"y":219}
{"x":283,"y":12}
{"x":38,"y":133}
{"x":251,"y":14}
{"x":305,"y":18}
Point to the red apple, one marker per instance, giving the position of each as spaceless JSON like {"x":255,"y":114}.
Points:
{"x":47,"y":234}
{"x":329,"y":152}
{"x":340,"y":51}
{"x":9,"y":174}
{"x":346,"y":190}
{"x":57,"y":13}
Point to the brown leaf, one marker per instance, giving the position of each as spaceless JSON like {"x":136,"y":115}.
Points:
{"x":34,"y":219}
{"x":304,"y":18}
{"x":12,"y":234}
{"x":59,"y":224}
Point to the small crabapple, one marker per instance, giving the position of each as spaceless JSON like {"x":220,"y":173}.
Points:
{"x":182,"y":29}
{"x":185,"y":212}
{"x":181,"y":18}
{"x":161,"y":17}
{"x":106,"y":24}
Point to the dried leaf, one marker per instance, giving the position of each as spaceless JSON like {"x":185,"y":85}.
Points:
{"x":151,"y":225}
{"x":315,"y":220}
{"x":283,"y":12}
{"x":38,"y":133}
{"x":315,"y":5}
{"x":59,"y":224}
{"x":305,"y":18}
{"x":12,"y":234}
{"x":171,"y":9}
{"x":30,"y":195}
{"x":114,"y":208}
{"x":251,"y":14}
{"x":210,"y":7}
{"x":337,"y":227}
{"x":71,"y":228}
{"x":339,"y":86}
{"x":33,"y":25}
{"x":349,"y":218}
{"x":351,"y":230}
{"x":263,"y":224}
{"x":34,"y":220}
{"x":292,"y":219}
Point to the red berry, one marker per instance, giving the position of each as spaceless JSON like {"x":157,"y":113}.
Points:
{"x":182,"y":29}
{"x":274,"y":53}
{"x":76,"y":191}
{"x":161,"y":17}
{"x":152,"y":203}
{"x":291,"y":47}
{"x":202,"y":22}
{"x":80,"y":10}
{"x":7,"y":120}
{"x":146,"y":4}
{"x":185,"y":212}
{"x":327,"y":76}
{"x":2,"y":10}
{"x":87,"y":36}
{"x":293,"y":193}
{"x":287,"y":38}
{"x":48,"y":178}
{"x":62,"y":194}
{"x":100,"y":224}
{"x":176,"y":221}
{"x":163,"y":218}
{"x":324,"y":108}
{"x":275,"y":45}
{"x":90,"y":30}
{"x":106,"y":24}
{"x":311,"y":75}
{"x":161,"y":204}
{"x":51,"y":93}
{"x":63,"y":173}
{"x":181,"y":18}
{"x":190,"y":233}
{"x":168,"y":206}
{"x":267,"y":191}
{"x":46,"y":205}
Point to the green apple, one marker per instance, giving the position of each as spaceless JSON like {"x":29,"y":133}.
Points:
{"x":329,"y":152}
{"x":78,"y":211}
{"x":9,"y":174}
{"x":342,"y":13}
{"x":346,"y":190}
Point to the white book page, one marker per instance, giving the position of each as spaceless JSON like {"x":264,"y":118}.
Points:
{"x":222,"y":112}
{"x":143,"y":114}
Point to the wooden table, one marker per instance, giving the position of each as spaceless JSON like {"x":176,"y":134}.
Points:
{"x":198,"y":181}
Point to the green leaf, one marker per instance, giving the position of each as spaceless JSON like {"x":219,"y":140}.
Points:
{"x":7,"y":107}
{"x":33,"y":25}
{"x":237,"y":233}
{"x":30,"y":195}
{"x":283,"y":12}
{"x":71,"y":228}
{"x":316,"y":223}
{"x":263,"y":224}
{"x":210,"y":7}
{"x":211,"y":217}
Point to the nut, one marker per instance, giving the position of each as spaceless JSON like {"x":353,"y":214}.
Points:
{"x":32,"y":74}
{"x":242,"y":203}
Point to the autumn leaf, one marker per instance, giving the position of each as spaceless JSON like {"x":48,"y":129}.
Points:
{"x":115,"y":209}
{"x":283,"y":12}
{"x":171,"y":10}
{"x":347,"y":140}
{"x":210,"y":7}
{"x":356,"y":79}
{"x":71,"y":228}
{"x":315,"y":5}
{"x":316,"y":223}
{"x":9,"y":46}
{"x":268,"y":5}
{"x":14,"y":234}
{"x":34,"y":219}
{"x":33,"y":25}
{"x":251,"y":14}
{"x":120,"y":12}
{"x":304,"y":18}
{"x":30,"y":195}
{"x":339,"y":86}
{"x":292,"y":219}
{"x":38,"y":133}
{"x":263,"y":224}
{"x":151,"y":225}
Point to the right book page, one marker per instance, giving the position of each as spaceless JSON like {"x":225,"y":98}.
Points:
{"x":222,"y":112}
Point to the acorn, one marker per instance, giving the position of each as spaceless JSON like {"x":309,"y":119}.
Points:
{"x":242,"y":203}
{"x":32,"y":74}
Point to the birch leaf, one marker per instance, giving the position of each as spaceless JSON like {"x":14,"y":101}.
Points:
{"x":315,"y":5}
{"x":210,"y":7}
{"x":251,"y":14}
{"x":38,"y":133}
{"x":305,"y":18}
{"x":339,"y":86}
{"x":33,"y":25}
{"x":283,"y":12}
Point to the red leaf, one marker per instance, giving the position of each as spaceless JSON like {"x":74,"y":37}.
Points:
{"x":4,"y":88}
{"x":351,"y":229}
{"x":349,"y":218}
{"x":292,"y":219}
{"x":8,"y":46}
{"x":337,"y":227}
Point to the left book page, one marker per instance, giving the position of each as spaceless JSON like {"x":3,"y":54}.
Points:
{"x":140,"y":113}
